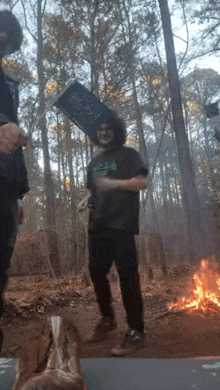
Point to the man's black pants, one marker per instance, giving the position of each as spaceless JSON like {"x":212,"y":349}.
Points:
{"x":116,"y":245}
{"x":8,"y":231}
{"x":5,"y":257}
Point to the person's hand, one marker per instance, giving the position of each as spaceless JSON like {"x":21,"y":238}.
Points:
{"x":11,"y":137}
{"x":20,"y":213}
{"x":104,"y":184}
{"x":82,"y":205}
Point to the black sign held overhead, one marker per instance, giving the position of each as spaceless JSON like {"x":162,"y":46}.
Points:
{"x":212,"y":109}
{"x":217,"y":133}
{"x":83,"y":108}
{"x":3,"y":119}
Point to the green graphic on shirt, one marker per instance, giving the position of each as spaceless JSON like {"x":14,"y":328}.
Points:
{"x":102,"y":168}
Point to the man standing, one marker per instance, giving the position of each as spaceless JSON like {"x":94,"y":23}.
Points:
{"x":115,"y":178}
{"x":13,"y":174}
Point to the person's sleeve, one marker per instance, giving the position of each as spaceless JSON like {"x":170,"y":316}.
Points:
{"x":89,"y":187}
{"x":89,"y":178}
{"x":141,"y":167}
{"x":13,"y":89}
{"x":22,"y":176}
{"x":16,"y":104}
{"x":137,"y":165}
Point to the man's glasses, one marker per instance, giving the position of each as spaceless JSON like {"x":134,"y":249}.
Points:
{"x":106,"y":128}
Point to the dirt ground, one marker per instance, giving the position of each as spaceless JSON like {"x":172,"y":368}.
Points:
{"x":173,"y":335}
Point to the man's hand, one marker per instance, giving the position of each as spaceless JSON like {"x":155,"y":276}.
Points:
{"x":84,"y":203}
{"x":104,"y":184}
{"x":11,"y":137}
{"x":136,"y":184}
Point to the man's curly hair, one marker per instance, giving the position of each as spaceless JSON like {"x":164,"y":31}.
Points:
{"x":119,"y":128}
{"x":10,"y":26}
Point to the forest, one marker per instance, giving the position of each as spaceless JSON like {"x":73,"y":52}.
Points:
{"x":142,"y":59}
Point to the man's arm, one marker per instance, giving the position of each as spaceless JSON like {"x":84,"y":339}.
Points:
{"x":135,"y":184}
{"x":83,"y":203}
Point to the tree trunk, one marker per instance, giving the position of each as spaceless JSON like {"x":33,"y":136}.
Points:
{"x":190,"y":196}
{"x":82,"y":159}
{"x":167,"y":178}
{"x":49,"y":186}
{"x":72,"y":192}
{"x":59,"y":159}
{"x":94,"y":76}
{"x":208,"y":147}
{"x":142,"y":143}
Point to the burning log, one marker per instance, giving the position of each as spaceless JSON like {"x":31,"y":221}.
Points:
{"x":206,"y":294}
{"x":50,"y":359}
{"x":164,"y":314}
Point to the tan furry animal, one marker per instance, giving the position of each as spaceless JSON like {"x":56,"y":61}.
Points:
{"x":50,"y":359}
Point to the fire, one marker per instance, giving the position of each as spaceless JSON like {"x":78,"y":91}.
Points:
{"x":206,"y":294}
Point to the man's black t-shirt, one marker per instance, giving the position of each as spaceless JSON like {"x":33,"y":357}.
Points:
{"x":117,"y":209}
{"x":13,"y":172}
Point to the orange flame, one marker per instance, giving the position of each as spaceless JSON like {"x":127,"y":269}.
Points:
{"x":206,"y":295}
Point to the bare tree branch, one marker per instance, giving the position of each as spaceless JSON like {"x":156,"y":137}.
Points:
{"x":187,"y":32}
{"x":26,"y":23}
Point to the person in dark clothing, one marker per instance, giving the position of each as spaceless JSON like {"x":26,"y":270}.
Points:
{"x":114,"y":179}
{"x":13,"y":174}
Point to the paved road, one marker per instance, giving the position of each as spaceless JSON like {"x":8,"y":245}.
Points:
{"x":138,"y":374}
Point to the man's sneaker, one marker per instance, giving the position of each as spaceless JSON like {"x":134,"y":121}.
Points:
{"x":133,"y":341}
{"x":107,"y":324}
